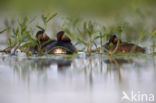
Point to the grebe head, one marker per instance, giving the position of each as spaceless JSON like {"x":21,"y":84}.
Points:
{"x":62,"y":37}
{"x":114,"y":39}
{"x":42,"y":36}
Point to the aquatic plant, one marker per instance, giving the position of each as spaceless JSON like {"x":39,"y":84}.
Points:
{"x":46,"y":18}
{"x":88,"y":34}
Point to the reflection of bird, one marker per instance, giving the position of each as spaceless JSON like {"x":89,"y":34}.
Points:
{"x":61,"y":65}
{"x":46,"y":63}
{"x":119,"y":61}
{"x":124,"y":47}
{"x":62,"y":45}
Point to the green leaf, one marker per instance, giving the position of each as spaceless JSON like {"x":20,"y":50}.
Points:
{"x":111,"y":45}
{"x":79,"y":31}
{"x":23,"y":28}
{"x":15,"y":32}
{"x":83,"y":42}
{"x":85,"y":25}
{"x":44,"y":19}
{"x":76,"y":21}
{"x":68,"y":32}
{"x":99,"y":36}
{"x":27,"y":44}
{"x":51,"y":17}
{"x":9,"y":41}
{"x":26,"y":38}
{"x":94,"y":43}
{"x":39,"y":27}
{"x":25,"y":20}
{"x":33,"y":19}
{"x":4,"y":30}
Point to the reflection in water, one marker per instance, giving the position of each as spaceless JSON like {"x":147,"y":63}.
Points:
{"x":46,"y":63}
{"x":97,"y":79}
{"x":116,"y":63}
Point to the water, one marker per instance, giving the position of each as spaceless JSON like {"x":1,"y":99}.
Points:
{"x":79,"y":79}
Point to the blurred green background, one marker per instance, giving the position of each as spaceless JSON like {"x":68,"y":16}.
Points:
{"x":134,"y":17}
{"x":76,"y":7}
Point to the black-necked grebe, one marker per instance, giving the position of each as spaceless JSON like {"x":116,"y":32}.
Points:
{"x":62,"y":45}
{"x":123,"y":47}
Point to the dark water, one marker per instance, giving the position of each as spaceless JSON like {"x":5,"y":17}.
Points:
{"x":80,"y":79}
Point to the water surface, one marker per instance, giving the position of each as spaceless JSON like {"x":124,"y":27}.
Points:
{"x":74,"y":80}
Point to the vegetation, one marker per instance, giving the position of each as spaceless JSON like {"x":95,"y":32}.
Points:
{"x":88,"y":35}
